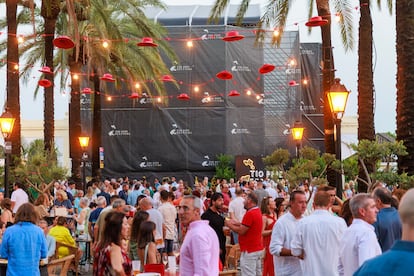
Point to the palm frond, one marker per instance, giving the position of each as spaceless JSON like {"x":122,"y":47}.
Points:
{"x":344,"y":8}
{"x":217,"y":10}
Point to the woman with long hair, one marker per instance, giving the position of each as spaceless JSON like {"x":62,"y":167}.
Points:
{"x":110,"y":257}
{"x":280,"y":206}
{"x":42,"y":205}
{"x":7,"y":212}
{"x":138,"y":219}
{"x":147,"y":249}
{"x":269,"y":217}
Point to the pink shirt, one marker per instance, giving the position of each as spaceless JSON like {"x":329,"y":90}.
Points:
{"x":199,"y":254}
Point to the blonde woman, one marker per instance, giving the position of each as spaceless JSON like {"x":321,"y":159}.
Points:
{"x":63,"y":201}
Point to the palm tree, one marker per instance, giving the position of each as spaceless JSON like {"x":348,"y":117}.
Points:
{"x":366,"y":128}
{"x":113,"y":22}
{"x":50,"y":11}
{"x":405,"y":82}
{"x":13,"y":88}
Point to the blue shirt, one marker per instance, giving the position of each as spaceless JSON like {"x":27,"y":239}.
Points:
{"x":388,"y":227}
{"x":132,"y":197}
{"x":396,"y":261}
{"x":24,"y":245}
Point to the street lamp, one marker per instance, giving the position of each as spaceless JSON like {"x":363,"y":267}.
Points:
{"x":297,"y":134}
{"x":84,"y":142}
{"x":6,"y":126}
{"x":337,"y":97}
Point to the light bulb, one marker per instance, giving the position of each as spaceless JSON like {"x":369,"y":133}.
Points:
{"x":190,"y":43}
{"x":105,"y":44}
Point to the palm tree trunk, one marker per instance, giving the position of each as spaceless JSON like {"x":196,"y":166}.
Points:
{"x":75,"y":129}
{"x":13,"y":88}
{"x":97,"y":129}
{"x":50,"y":11}
{"x":48,"y":102}
{"x":328,"y":75}
{"x":366,"y":128}
{"x":405,"y":82}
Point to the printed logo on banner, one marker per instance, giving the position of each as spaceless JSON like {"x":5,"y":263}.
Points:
{"x":210,"y":36}
{"x":85,"y":99}
{"x":149,"y":164}
{"x":118,"y":132}
{"x":239,"y":68}
{"x":179,"y":67}
{"x":237,"y":130}
{"x":176,"y":130}
{"x":209,"y":163}
{"x":211,"y":99}
{"x":291,"y":71}
{"x":145,"y":99}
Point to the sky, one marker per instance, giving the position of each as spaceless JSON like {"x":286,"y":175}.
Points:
{"x":346,"y":64}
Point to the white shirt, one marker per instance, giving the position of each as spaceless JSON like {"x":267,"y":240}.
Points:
{"x":19,"y":197}
{"x":169,"y":213}
{"x":319,"y":236}
{"x":282,"y":234}
{"x":272,"y":192}
{"x":156,"y":217}
{"x":236,"y":206}
{"x":358,"y":244}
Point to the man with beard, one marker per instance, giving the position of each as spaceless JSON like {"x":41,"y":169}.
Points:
{"x":250,"y":237}
{"x":216,"y":221}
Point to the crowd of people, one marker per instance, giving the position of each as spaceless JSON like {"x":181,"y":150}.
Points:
{"x":134,"y":225}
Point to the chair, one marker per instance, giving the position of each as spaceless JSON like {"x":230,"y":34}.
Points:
{"x":59,"y":267}
{"x":233,"y":256}
{"x":232,"y":272}
{"x":74,"y":264}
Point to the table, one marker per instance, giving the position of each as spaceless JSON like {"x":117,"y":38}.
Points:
{"x":4,"y":262}
{"x":87,"y":254}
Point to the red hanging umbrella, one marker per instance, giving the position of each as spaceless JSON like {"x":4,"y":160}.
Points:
{"x":234,"y":93}
{"x":316,"y":21}
{"x":147,"y":42}
{"x":86,"y":90}
{"x":46,"y":70}
{"x":45,"y":83}
{"x":107,"y":77}
{"x":183,"y":96}
{"x":63,"y":42}
{"x":232,"y":36}
{"x":134,"y":95}
{"x":266,"y":68}
{"x":224,"y":75}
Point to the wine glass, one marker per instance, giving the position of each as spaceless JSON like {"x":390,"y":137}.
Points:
{"x":176,"y":249}
{"x":165,"y":259}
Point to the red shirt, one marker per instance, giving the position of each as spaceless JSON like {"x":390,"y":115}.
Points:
{"x":251,"y":241}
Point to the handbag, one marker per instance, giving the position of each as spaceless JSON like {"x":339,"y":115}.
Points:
{"x":159,"y":268}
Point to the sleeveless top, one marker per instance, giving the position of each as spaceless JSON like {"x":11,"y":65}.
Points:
{"x":102,"y":264}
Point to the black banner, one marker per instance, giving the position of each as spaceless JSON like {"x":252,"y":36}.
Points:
{"x":250,"y":167}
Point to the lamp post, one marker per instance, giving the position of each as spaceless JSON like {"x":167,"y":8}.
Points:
{"x":338,"y":97}
{"x":6,"y":126}
{"x":297,"y":134}
{"x":84,"y":142}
